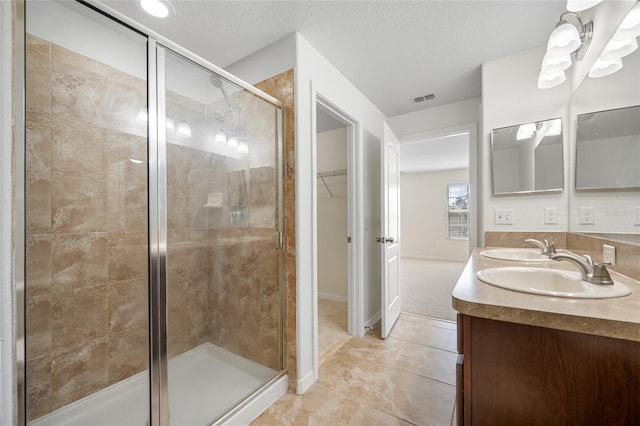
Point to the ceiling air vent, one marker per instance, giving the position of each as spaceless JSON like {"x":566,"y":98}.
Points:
{"x":424,"y":98}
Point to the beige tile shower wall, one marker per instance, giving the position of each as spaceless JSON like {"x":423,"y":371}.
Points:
{"x":281,"y":87}
{"x":86,"y":272}
{"x":244,"y":294}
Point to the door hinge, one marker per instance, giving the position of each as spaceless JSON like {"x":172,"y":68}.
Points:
{"x":348,"y":239}
{"x":278,"y":238}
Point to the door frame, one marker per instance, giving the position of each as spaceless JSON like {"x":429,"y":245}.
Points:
{"x":355,"y":259}
{"x":475,"y":198}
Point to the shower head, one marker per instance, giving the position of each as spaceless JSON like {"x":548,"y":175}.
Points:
{"x":216,"y":82}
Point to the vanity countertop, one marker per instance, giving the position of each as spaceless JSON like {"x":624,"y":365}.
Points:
{"x":616,"y":317}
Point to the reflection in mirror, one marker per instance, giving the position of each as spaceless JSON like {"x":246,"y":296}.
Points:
{"x":616,"y":214}
{"x":527,"y":158}
{"x":608,"y":149}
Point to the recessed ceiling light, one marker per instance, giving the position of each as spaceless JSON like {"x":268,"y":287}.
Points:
{"x":157,"y":8}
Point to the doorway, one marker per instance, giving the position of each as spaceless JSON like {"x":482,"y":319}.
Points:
{"x":332,"y":203}
{"x":435,"y":220}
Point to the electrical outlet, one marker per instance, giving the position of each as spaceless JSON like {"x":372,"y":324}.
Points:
{"x":608,"y":254}
{"x":586,"y":216}
{"x":503,"y":216}
{"x":550,"y":215}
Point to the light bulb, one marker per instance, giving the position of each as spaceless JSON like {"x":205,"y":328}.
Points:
{"x":547,"y":81}
{"x":555,"y":65}
{"x":555,"y":129}
{"x":630,"y":27}
{"x":603,"y":68}
{"x":183,"y":130}
{"x":243,"y":147}
{"x":564,"y":39}
{"x":221,"y":137}
{"x":525,"y":131}
{"x":580,"y":5}
{"x":142,"y":116}
{"x":232,"y":141}
{"x":170,"y":125}
{"x":618,"y":49}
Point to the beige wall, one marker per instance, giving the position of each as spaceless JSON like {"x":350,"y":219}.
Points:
{"x":332,"y":216}
{"x":86,"y":275}
{"x":87,"y":245}
{"x":424,"y":215}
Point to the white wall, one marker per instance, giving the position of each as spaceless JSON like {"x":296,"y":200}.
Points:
{"x":332,"y":216}
{"x":510,"y":96}
{"x":315,"y":76}
{"x":424,"y":215}
{"x":372,"y":226}
{"x":7,"y":388}
{"x":613,"y":210}
{"x":440,"y":117}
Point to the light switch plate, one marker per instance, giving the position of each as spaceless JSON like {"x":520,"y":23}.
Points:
{"x":503,"y":216}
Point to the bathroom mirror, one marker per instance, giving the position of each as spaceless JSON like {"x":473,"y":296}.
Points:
{"x":608,"y":149}
{"x":604,"y":113}
{"x":527,"y":158}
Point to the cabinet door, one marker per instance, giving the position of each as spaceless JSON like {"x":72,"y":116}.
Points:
{"x":528,"y":375}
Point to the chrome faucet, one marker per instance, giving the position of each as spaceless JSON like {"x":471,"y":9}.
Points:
{"x":545,"y":247}
{"x":595,"y":273}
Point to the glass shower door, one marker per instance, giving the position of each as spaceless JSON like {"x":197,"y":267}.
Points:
{"x":86,"y":266}
{"x":224,"y":301}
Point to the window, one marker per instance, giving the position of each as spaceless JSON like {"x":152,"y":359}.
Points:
{"x":458,"y":212}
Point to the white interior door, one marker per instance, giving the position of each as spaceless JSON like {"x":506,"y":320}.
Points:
{"x":390,"y":233}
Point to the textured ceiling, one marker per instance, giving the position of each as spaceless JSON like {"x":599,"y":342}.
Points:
{"x":393,"y":51}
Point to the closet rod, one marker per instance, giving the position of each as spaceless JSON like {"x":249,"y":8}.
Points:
{"x":331,"y":173}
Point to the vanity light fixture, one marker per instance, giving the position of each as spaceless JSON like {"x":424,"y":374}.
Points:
{"x":232,"y":141}
{"x":603,"y":68}
{"x":157,"y":8}
{"x":243,"y":147}
{"x":183,"y":130}
{"x":142,"y":116}
{"x":567,"y":39}
{"x":621,"y":44}
{"x":221,"y":137}
{"x":170,"y":125}
{"x":580,"y":5}
{"x":525,"y":131}
{"x":555,"y":129}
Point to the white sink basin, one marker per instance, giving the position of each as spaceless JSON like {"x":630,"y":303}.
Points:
{"x":550,"y":282}
{"x":516,"y":254}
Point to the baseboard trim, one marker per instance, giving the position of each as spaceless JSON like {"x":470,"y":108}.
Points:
{"x":373,"y":320}
{"x":335,"y":298}
{"x":302,"y":385}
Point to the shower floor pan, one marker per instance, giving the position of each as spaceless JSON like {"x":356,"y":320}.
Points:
{"x":204,"y":383}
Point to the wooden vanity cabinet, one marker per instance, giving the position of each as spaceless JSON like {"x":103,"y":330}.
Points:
{"x":515,"y":374}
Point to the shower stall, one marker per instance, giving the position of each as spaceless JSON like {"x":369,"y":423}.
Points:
{"x":153,"y":197}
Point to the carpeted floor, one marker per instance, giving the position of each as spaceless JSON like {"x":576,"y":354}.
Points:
{"x":426,"y":287}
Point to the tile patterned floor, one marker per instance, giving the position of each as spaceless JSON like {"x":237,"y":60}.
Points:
{"x":332,"y":325}
{"x":407,"y":379}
